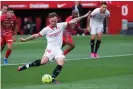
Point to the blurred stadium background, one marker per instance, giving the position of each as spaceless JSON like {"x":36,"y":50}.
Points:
{"x":114,"y":68}
{"x":121,"y":19}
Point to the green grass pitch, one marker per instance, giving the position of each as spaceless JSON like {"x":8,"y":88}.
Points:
{"x":114,"y":70}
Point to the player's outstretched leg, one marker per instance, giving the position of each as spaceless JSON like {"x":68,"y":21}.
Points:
{"x":92,"y":44}
{"x":57,"y":70}
{"x":8,"y":52}
{"x":98,"y":44}
{"x":70,"y":47}
{"x":34,"y":64}
{"x":68,"y":41}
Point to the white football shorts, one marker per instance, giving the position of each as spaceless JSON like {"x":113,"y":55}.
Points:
{"x":96,"y":29}
{"x":54,"y":54}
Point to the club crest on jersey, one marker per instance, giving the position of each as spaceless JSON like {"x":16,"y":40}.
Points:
{"x":55,"y":34}
{"x":49,"y":51}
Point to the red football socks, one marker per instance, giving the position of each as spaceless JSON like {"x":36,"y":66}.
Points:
{"x":8,"y":52}
{"x":66,"y":52}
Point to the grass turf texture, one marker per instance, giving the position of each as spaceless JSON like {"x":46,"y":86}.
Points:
{"x":103,"y":73}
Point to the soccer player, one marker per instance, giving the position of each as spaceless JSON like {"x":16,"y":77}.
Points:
{"x":67,"y":36}
{"x":54,"y":35}
{"x":4,"y":10}
{"x":8,"y":26}
{"x":95,"y":26}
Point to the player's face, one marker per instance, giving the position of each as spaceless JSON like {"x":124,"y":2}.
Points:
{"x":53,"y":21}
{"x":103,"y":8}
{"x":75,"y":15}
{"x":4,"y":9}
{"x":10,"y":13}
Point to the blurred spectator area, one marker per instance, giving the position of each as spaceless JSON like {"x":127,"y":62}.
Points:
{"x":121,"y":16}
{"x":39,"y":17}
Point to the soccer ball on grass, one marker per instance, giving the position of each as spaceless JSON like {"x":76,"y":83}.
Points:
{"x":46,"y":78}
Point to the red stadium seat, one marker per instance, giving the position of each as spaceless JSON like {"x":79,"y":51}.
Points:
{"x":19,"y":23}
{"x":47,"y":21}
{"x":38,"y":24}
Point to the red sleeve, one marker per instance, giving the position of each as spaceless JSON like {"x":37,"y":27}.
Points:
{"x":15,"y":19}
{"x":69,"y":19}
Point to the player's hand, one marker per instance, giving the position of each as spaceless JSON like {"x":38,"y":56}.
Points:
{"x":107,"y":29}
{"x":14,"y":40}
{"x":22,"y":40}
{"x":88,"y":29}
{"x":89,"y":12}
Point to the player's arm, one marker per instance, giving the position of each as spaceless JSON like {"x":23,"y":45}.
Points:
{"x":15,"y":32}
{"x":35,"y":36}
{"x":75,"y":20}
{"x":32,"y":37}
{"x":78,"y":26}
{"x":94,"y":12}
{"x":88,"y":23}
{"x":107,"y":20}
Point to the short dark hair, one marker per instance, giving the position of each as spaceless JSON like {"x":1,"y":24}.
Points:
{"x":51,"y":15}
{"x":5,"y":5}
{"x":104,"y":3}
{"x":74,"y":11}
{"x":9,"y":9}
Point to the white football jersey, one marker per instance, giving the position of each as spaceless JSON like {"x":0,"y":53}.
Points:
{"x":97,"y":18}
{"x":54,"y":35}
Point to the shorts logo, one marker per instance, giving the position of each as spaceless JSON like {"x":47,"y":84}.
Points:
{"x":49,"y":51}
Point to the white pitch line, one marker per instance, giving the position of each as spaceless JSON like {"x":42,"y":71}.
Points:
{"x":76,"y":59}
{"x":106,"y":56}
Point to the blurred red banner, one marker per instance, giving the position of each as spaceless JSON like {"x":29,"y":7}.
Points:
{"x":48,"y":4}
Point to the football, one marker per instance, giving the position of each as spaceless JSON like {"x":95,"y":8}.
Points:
{"x":46,"y":78}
